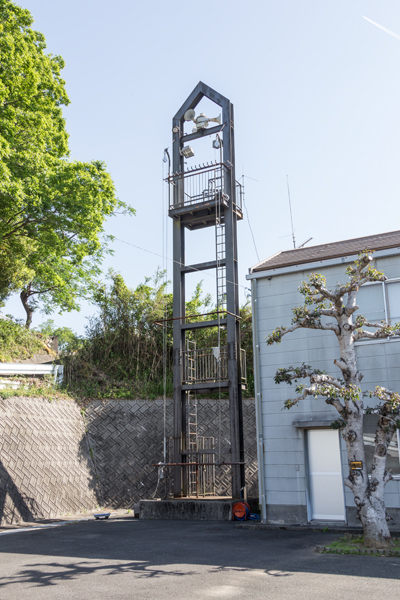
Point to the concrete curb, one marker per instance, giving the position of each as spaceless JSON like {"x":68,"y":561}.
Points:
{"x":323,"y":528}
{"x":37,"y":527}
{"x":357,"y":551}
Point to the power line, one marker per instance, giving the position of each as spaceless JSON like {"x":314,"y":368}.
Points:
{"x":174,"y":261}
{"x":248,"y":218}
{"x":251,"y":231}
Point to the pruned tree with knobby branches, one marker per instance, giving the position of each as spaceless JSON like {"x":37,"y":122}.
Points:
{"x":334,"y":310}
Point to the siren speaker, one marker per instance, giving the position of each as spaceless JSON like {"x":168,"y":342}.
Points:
{"x":216,"y":120}
{"x":189,"y":115}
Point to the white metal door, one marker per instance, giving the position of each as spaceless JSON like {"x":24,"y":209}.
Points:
{"x":325,"y":475}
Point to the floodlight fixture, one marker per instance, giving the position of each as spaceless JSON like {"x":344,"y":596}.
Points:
{"x":187,"y":151}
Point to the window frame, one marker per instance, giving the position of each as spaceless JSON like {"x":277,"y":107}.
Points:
{"x":395,"y":476}
{"x":386,"y":309}
{"x":386,"y":296}
{"x":398,"y":445}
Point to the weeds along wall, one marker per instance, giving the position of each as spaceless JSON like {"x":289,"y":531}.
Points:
{"x":126,"y":342}
{"x":54,"y":460}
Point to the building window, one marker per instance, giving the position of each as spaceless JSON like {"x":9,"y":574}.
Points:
{"x":380,"y":302}
{"x":393,"y":300}
{"x":392,"y":458}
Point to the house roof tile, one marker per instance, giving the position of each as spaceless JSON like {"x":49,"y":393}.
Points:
{"x":298,"y":256}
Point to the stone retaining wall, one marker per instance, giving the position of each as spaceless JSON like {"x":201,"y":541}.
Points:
{"x":127,"y":440}
{"x":53,"y":461}
{"x":45,"y":465}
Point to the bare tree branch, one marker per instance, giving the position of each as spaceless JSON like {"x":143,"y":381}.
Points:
{"x":328,"y":312}
{"x":377,"y":335}
{"x":327,"y":379}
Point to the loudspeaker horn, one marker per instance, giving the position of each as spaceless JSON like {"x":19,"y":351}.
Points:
{"x":189,"y":115}
{"x":216,"y":120}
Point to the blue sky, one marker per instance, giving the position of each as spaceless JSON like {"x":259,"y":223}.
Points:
{"x":316,"y":93}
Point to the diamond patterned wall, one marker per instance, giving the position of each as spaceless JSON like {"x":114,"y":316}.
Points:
{"x":45,"y":464}
{"x":127,"y":439}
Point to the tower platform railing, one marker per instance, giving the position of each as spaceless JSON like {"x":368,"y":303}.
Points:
{"x":203,"y":184}
{"x":204,"y":365}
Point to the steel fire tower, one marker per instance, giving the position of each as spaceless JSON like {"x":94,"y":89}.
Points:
{"x":206,"y":196}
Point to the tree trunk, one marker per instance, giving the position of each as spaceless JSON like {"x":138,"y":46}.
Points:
{"x":372,"y":513}
{"x":368,"y":494}
{"x":28,"y":309}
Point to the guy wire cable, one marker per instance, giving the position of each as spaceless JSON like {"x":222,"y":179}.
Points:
{"x":165,"y":200}
{"x":247,"y":213}
{"x":172,"y":260}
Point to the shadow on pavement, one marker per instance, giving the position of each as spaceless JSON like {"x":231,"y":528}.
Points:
{"x":154,"y":549}
{"x":20,"y":504}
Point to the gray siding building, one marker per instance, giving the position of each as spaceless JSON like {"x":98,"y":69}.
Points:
{"x":302,"y":461}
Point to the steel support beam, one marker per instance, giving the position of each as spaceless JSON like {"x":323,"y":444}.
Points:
{"x":211,"y":264}
{"x":179,"y":441}
{"x":233,"y":331}
{"x":208,"y":386}
{"x":202,"y":324}
{"x":201,"y":133}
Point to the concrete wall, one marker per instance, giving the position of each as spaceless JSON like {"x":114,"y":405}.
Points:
{"x":127,"y":439}
{"x":46,"y":450}
{"x":284,"y":456}
{"x":45,"y":464}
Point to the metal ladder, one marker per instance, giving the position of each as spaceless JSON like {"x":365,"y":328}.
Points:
{"x":220,"y":256}
{"x":192,"y":480}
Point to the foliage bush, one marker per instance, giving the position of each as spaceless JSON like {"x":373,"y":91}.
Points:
{"x":122,"y":355}
{"x":18,"y":343}
{"x":68,"y":340}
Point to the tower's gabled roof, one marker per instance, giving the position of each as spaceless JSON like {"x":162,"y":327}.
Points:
{"x":200,"y":91}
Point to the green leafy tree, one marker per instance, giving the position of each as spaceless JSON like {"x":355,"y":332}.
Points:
{"x":68,"y":340}
{"x":52,"y":209}
{"x":334,"y":311}
{"x":17,"y":343}
{"x":59,"y":282}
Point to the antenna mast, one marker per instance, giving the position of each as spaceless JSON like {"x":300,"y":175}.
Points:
{"x":290,"y":207}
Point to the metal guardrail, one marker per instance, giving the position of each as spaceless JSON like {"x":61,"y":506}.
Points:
{"x":243,"y":366}
{"x":210,"y":364}
{"x":204,"y":364}
{"x":202,"y":185}
{"x":15,"y":369}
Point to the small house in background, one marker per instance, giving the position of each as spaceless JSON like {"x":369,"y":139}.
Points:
{"x":302,"y":461}
{"x":15,"y":374}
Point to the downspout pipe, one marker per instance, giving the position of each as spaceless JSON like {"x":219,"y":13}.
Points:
{"x":258,"y":403}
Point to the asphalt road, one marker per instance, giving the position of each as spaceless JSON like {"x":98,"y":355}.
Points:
{"x":156,"y":560}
